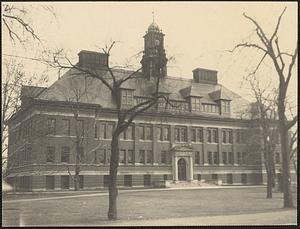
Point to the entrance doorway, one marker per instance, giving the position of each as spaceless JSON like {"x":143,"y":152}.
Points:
{"x":181,"y":169}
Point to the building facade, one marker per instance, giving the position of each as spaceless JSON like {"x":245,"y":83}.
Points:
{"x":200,"y":134}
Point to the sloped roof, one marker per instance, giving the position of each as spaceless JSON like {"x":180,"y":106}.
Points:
{"x":93,"y":91}
{"x":31,"y":91}
{"x":220,"y":94}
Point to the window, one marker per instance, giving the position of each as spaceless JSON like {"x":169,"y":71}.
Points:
{"x":122,"y":156}
{"x":179,"y":106}
{"x":212,"y":135}
{"x":277,"y":137}
{"x":229,"y":179}
{"x":197,"y":134}
{"x":127,"y":134}
{"x":50,"y":182}
{"x":199,"y":177}
{"x":225,"y":106}
{"x":277,"y":157}
{"x":66,"y":127}
{"x":210,"y":108}
{"x":128,"y":180}
{"x":145,"y":132}
{"x":65,"y":154}
{"x":195,"y":103}
{"x":161,"y":103}
{"x":141,"y":158}
{"x":127,"y":97}
{"x":96,"y":134}
{"x":216,"y":158}
{"x":102,"y":156}
{"x":163,"y":133}
{"x":149,"y":157}
{"x":81,"y":181}
{"x":224,"y":157}
{"x":197,"y":158}
{"x":209,"y":158}
{"x":240,"y":136}
{"x":163,"y":157}
{"x":230,"y":158}
{"x":147,"y":180}
{"x":109,"y":130}
{"x":50,"y":154}
{"x":96,"y":157}
{"x":108,"y":152}
{"x":51,"y":123}
{"x":65,"y":182}
{"x":244,"y":178}
{"x":181,"y":133}
{"x":81,"y":154}
{"x":148,"y":134}
{"x":106,"y":180}
{"x":224,"y":136}
{"x":244,"y":158}
{"x":80,"y":128}
{"x":130,"y":156}
{"x":101,"y":128}
{"x":27,"y":154}
{"x":239,"y":158}
{"x":230,"y":136}
{"x":214,"y":176}
{"x":227,"y":136}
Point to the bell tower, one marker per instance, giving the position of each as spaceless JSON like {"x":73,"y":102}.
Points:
{"x":154,"y":61}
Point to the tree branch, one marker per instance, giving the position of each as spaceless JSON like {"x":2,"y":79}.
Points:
{"x":277,"y":26}
{"x":248,"y":45}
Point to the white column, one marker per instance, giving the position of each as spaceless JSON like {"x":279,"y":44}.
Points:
{"x":191,"y":169}
{"x":175,"y":169}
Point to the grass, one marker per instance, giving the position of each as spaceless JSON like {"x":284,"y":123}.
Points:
{"x":142,"y":205}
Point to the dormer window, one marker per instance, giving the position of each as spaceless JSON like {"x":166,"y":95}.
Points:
{"x":195,"y":103}
{"x":127,"y":97}
{"x":225,"y":107}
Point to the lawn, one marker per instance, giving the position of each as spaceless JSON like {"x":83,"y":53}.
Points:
{"x":154,"y":204}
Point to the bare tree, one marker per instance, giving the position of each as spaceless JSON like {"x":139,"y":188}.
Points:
{"x":74,"y":93}
{"x":264,"y":115}
{"x":283,"y":63}
{"x":12,"y":80}
{"x":125,"y":116}
{"x":16,"y":20}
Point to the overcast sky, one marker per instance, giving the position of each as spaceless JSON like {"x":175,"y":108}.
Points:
{"x":196,"y":34}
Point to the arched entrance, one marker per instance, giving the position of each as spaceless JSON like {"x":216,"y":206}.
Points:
{"x":181,"y":169}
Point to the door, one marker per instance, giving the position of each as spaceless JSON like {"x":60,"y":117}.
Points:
{"x":181,"y":169}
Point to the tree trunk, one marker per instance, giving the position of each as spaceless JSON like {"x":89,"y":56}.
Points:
{"x":77,"y":166}
{"x":287,"y":194}
{"x":269,"y":183}
{"x":76,"y":177}
{"x":113,"y":169}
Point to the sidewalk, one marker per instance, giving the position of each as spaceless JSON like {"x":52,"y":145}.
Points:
{"x":282,"y":217}
{"x":80,"y":194}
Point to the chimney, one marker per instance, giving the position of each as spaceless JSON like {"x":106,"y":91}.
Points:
{"x":92,"y":59}
{"x":207,"y":76}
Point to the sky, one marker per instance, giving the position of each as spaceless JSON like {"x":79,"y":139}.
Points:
{"x":197,"y":34}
